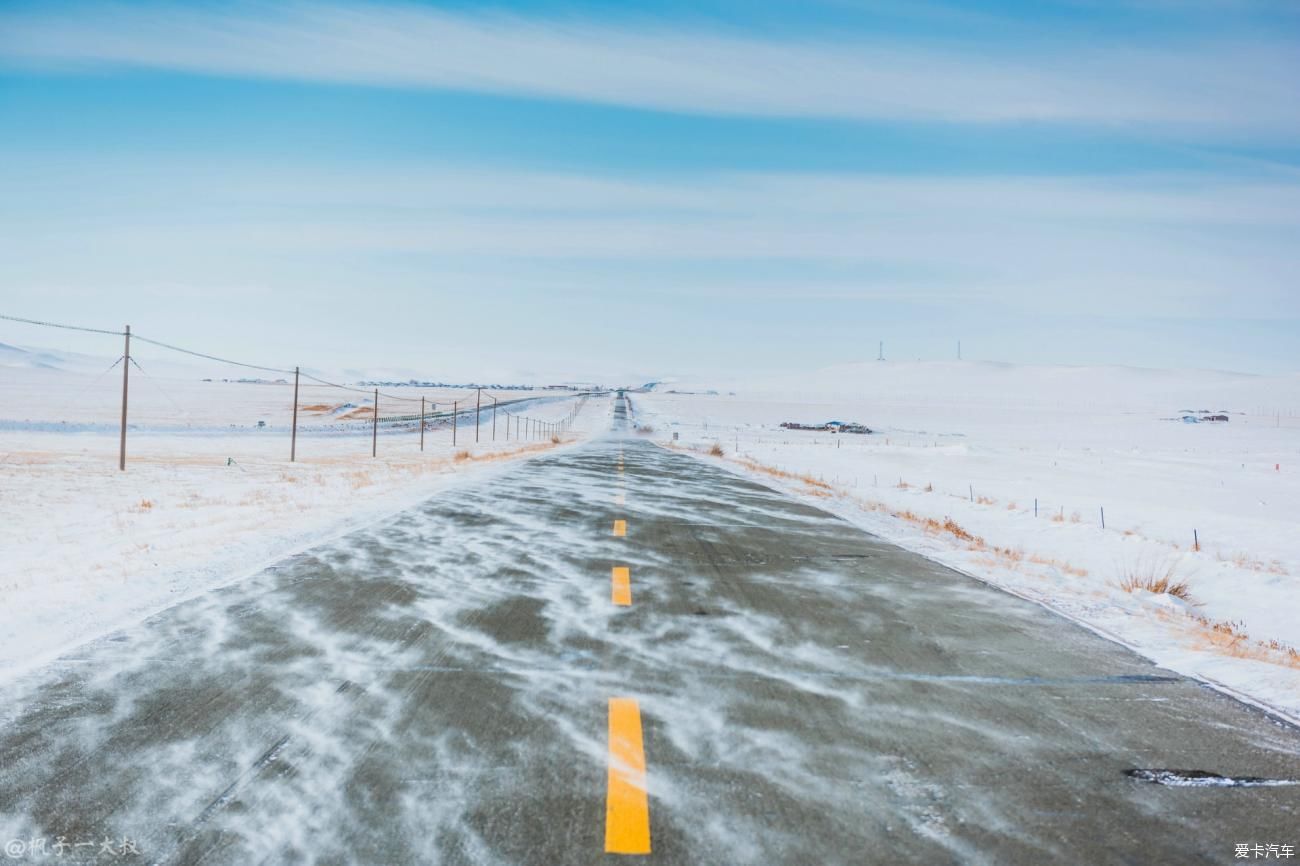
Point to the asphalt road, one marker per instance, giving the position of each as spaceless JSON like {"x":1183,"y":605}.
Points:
{"x":614,"y":647}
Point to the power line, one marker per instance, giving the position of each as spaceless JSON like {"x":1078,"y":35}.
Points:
{"x":369,"y":392}
{"x":205,"y":356}
{"x":209,"y":357}
{"x":64,"y":327}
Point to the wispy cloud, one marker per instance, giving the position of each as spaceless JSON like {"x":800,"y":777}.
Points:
{"x":1168,"y":244}
{"x":1220,"y":88}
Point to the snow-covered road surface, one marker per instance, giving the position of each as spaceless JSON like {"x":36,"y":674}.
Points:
{"x":451,"y":686}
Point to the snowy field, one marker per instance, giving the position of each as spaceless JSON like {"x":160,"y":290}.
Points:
{"x":962,"y":451}
{"x":209,"y":496}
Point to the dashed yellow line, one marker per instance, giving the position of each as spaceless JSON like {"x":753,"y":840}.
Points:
{"x":620,"y":581}
{"x":627,"y":807}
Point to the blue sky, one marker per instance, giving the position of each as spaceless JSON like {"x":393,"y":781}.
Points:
{"x":626,"y":190}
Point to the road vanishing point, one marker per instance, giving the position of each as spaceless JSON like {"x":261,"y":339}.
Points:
{"x":616,"y":653}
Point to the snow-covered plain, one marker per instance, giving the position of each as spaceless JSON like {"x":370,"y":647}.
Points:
{"x":208,"y":496}
{"x":977,"y":443}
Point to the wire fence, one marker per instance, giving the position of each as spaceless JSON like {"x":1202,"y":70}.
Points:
{"x":157,"y":388}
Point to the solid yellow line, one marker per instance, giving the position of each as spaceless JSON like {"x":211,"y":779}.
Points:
{"x":620,"y":528}
{"x":621,"y":585}
{"x":627,"y":808}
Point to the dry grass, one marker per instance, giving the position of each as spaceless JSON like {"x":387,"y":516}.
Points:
{"x":929,"y":488}
{"x":555,"y":440}
{"x":1241,"y":560}
{"x":1161,"y":581}
{"x":143,"y":506}
{"x":1056,"y":563}
{"x":1006,"y":557}
{"x":954,"y":529}
{"x":1230,"y":638}
{"x":820,"y":487}
{"x":462,"y":456}
{"x":716,"y":450}
{"x":815,"y":482}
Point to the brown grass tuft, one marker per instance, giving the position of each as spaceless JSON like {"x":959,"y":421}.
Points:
{"x":1230,"y":638}
{"x":814,"y":482}
{"x":1156,"y":580}
{"x":954,"y":529}
{"x":716,"y":450}
{"x":461,"y":456}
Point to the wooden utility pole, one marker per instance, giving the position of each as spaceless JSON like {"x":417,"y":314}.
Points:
{"x":421,"y":423}
{"x":126,"y":376}
{"x":478,"y":412}
{"x":293,"y":437}
{"x":455,"y":412}
{"x":494,"y":418}
{"x":374,"y":430}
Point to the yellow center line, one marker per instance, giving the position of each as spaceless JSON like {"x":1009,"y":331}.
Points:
{"x":627,"y":808}
{"x":621,"y":585}
{"x":620,"y":528}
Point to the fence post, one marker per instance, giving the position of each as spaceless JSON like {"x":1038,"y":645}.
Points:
{"x":126,"y":375}
{"x":494,"y":419}
{"x":1103,"y":517}
{"x":478,"y":412}
{"x":293,"y":437}
{"x":1196,"y":541}
{"x":972,"y":492}
{"x":374,"y":430}
{"x":1035,"y":506}
{"x":455,"y":411}
{"x":421,"y":423}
